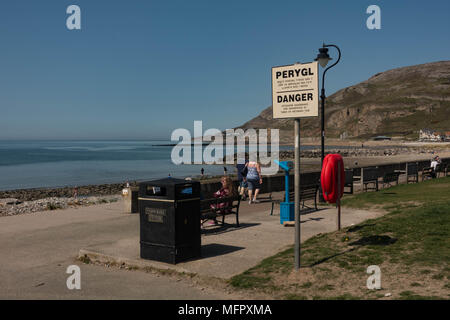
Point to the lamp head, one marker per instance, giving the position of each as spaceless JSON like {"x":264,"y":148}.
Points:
{"x":323,"y":57}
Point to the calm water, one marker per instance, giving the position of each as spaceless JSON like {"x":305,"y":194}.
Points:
{"x":31,"y":164}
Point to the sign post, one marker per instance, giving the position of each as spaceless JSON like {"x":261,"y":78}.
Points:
{"x":338,"y":201}
{"x":295,"y":94}
{"x":297,"y":192}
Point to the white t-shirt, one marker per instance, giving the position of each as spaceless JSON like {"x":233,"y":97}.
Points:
{"x":434,"y":163}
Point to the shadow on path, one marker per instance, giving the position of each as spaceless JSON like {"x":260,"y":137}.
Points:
{"x":219,"y":229}
{"x":216,"y":249}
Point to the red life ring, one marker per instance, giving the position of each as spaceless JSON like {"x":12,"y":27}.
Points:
{"x":329,"y":178}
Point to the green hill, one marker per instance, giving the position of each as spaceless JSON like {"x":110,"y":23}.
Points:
{"x":397,"y":102}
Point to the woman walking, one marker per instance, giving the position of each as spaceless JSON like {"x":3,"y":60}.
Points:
{"x":254,"y":180}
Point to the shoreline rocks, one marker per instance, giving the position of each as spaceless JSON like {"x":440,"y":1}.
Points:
{"x":21,"y":201}
{"x":65,"y":192}
{"x":356,"y":152}
{"x":11,"y":208}
{"x":352,"y":152}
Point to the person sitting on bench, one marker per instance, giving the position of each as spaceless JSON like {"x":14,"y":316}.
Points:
{"x":227,"y":190}
{"x":434,"y":163}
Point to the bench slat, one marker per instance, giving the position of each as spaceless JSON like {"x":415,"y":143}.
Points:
{"x":207,"y":213}
{"x":307,"y":192}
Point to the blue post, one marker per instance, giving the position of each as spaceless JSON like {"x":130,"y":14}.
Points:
{"x":286,"y":207}
{"x":286,"y":182}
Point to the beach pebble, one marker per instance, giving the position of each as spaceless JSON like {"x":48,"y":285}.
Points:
{"x":11,"y":207}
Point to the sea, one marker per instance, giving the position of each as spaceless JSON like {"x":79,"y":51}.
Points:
{"x":35,"y":164}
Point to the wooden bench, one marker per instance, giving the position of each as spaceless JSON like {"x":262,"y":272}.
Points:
{"x":370,"y":175}
{"x":209,"y":213}
{"x":427,"y":173}
{"x":412,"y":173}
{"x":307,"y":192}
{"x":348,"y":181}
{"x":389,"y":178}
{"x":441,"y":168}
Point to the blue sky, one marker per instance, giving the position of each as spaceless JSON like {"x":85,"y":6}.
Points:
{"x":139,"y":69}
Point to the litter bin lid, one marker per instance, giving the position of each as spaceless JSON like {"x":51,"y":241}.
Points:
{"x":169,"y":189}
{"x":166,"y":181}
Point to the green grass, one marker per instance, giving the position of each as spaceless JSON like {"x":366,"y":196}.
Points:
{"x":410,"y":295}
{"x":345,"y":296}
{"x":306,"y":285}
{"x":402,"y":196}
{"x":414,"y":236}
{"x":85,"y":259}
{"x":295,"y":297}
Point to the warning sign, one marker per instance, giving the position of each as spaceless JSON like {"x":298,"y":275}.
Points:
{"x":295,"y":91}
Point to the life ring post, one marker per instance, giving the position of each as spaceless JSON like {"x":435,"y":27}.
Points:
{"x":338,"y":201}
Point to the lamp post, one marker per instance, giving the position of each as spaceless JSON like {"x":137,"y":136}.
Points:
{"x":323,"y":58}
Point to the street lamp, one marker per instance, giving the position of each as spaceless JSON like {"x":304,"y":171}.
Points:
{"x":323,"y":58}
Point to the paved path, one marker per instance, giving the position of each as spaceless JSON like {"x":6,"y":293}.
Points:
{"x":37,"y":248}
{"x":230,"y":251}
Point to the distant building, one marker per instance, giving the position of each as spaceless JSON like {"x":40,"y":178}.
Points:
{"x":433,"y":136}
{"x":343,"y":136}
{"x":447,"y":136}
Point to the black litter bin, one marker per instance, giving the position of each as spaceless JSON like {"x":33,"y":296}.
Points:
{"x":170,"y":220}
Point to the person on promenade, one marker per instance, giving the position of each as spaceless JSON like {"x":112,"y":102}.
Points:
{"x":242,"y":173}
{"x":227,"y":190}
{"x":202,"y":171}
{"x":254,"y":180}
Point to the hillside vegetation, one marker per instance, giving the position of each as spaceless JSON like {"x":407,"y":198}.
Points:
{"x":398,"y":102}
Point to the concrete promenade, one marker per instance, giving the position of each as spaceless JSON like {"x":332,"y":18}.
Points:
{"x":228,"y":251}
{"x":37,"y":248}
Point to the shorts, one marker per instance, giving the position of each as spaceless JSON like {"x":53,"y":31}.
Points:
{"x":253,"y":184}
{"x":243,"y":184}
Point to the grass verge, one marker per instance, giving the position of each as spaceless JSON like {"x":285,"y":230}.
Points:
{"x":410,"y":244}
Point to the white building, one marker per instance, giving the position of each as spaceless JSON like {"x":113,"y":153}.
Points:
{"x":430,"y":135}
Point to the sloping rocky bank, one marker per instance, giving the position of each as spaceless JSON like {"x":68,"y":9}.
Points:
{"x":12,"y":206}
{"x":64,"y":192}
{"x":20,"y":201}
